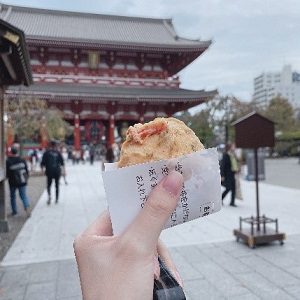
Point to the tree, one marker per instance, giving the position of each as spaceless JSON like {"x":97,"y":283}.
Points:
{"x":281,"y":112}
{"x":213,"y":124}
{"x":199,"y":123}
{"x":25,"y":114}
{"x":223,"y":110}
{"x":56,"y":126}
{"x":28,"y":114}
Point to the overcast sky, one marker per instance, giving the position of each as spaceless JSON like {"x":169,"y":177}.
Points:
{"x":249,"y":37}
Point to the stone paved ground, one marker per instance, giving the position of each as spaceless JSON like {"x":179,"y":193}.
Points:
{"x":35,"y":188}
{"x":225,"y":270}
{"x":283,"y":172}
{"x":40,"y":264}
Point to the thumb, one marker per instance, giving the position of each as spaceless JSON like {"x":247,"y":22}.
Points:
{"x":151,"y":220}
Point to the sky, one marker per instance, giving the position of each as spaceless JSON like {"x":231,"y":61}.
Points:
{"x":249,"y":37}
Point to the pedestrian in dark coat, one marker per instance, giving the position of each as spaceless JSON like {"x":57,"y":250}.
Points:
{"x":53,"y":162}
{"x":110,"y":156}
{"x":229,"y":167}
{"x":17,"y":174}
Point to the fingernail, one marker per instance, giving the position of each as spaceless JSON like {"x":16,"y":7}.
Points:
{"x":173,"y":183}
{"x":178,"y":278}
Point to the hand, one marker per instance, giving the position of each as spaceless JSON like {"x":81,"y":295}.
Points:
{"x":123,"y":267}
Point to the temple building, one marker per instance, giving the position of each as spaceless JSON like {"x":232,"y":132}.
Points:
{"x":105,"y":72}
{"x":14,"y":71}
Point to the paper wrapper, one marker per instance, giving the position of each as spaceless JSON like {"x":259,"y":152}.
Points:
{"x":127,"y":189}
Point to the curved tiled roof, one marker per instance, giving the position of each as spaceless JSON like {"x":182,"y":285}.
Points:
{"x":87,"y":27}
{"x":14,"y":61}
{"x":104,"y":93}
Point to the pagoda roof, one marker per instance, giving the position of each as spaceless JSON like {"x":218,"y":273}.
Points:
{"x":75,"y":27}
{"x":107,"y":93}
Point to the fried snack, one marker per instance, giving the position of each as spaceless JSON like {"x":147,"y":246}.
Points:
{"x":162,"y":138}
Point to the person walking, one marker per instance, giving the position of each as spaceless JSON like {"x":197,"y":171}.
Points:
{"x":17,"y":174}
{"x":53,"y":162}
{"x":92,"y":154}
{"x":110,"y":156}
{"x":229,"y":166}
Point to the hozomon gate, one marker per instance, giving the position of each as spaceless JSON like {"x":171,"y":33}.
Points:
{"x":105,"y":72}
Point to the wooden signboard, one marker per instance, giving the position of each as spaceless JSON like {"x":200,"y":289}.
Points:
{"x":252,"y":132}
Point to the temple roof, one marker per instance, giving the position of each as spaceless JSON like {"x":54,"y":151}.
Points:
{"x":67,"y":26}
{"x":14,"y":57}
{"x":105,"y":93}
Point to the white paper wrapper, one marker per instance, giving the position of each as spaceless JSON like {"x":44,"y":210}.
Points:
{"x":127,"y":188}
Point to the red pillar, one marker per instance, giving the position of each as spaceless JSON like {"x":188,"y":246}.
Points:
{"x":77,"y":132}
{"x":111,"y":130}
{"x":9,"y":135}
{"x":44,"y":134}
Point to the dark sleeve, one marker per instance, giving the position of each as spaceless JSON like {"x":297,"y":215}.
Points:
{"x":43,"y":162}
{"x":222,"y":166}
{"x":61,"y":160}
{"x":26,"y":168}
{"x":7,"y":168}
{"x":225,"y":165}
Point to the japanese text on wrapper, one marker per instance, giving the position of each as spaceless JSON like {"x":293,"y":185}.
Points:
{"x":153,"y":177}
{"x":205,"y":209}
{"x":141,"y":190}
{"x":183,"y":197}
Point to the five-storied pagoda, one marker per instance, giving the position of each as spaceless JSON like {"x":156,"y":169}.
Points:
{"x":104,"y":71}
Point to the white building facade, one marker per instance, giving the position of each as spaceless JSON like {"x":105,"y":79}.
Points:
{"x":271,"y":84}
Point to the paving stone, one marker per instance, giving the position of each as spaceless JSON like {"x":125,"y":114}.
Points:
{"x":235,"y":249}
{"x":248,"y":296}
{"x":188,"y":272}
{"x":226,"y":261}
{"x":275,"y":274}
{"x":68,"y":283}
{"x":293,"y":291}
{"x":210,"y":270}
{"x":261,"y":287}
{"x":43,"y":272}
{"x":68,"y":289}
{"x":15,"y":276}
{"x":177,"y":257}
{"x":38,"y":291}
{"x":13,"y":293}
{"x":221,"y":279}
{"x":68,"y":269}
{"x":285,"y":256}
{"x":294,"y":271}
{"x":71,"y":298}
{"x":191,"y":253}
{"x":202,"y":289}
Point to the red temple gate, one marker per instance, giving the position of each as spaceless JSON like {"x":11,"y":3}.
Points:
{"x":103,"y":71}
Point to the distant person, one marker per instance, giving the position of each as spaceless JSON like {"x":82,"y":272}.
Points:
{"x":116,"y":150}
{"x":86,"y":155}
{"x":33,"y":159}
{"x":92,"y":154}
{"x":17,"y":174}
{"x":64,"y":154}
{"x":53,"y":162}
{"x":229,"y":166}
{"x":110,"y":156}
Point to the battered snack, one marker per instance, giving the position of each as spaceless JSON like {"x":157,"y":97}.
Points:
{"x":162,"y":138}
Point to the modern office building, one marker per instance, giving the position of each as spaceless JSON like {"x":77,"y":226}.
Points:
{"x":271,"y":84}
